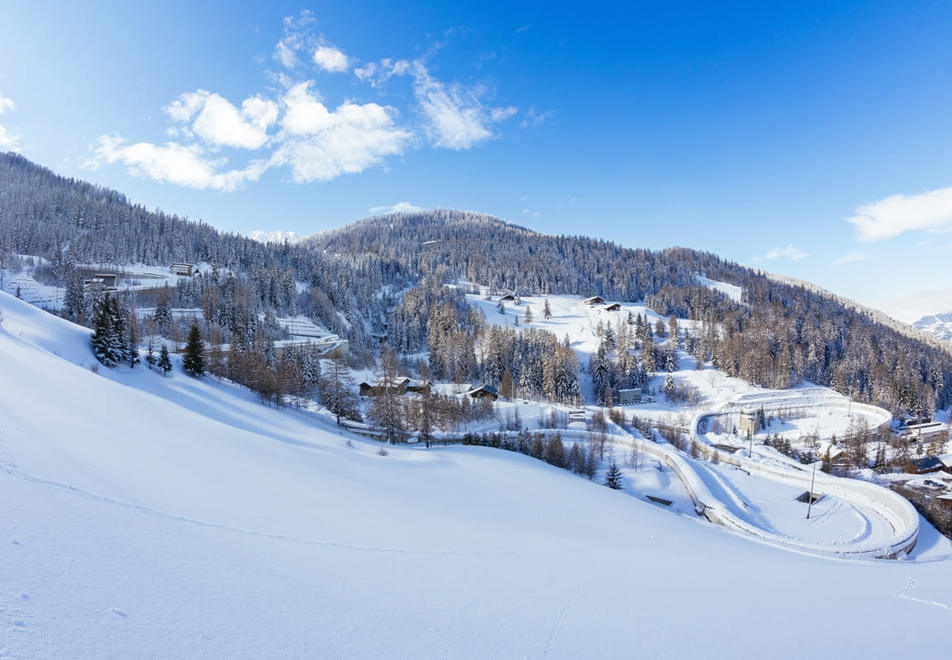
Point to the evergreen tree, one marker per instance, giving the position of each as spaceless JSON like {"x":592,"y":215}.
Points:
{"x":132,"y":340}
{"x":528,"y":315}
{"x":165,"y":363}
{"x":613,"y":477}
{"x":107,"y":340}
{"x":193,"y":359}
{"x":546,"y":310}
{"x":150,"y":357}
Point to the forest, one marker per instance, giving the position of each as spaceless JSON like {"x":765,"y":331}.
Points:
{"x":403,"y":277}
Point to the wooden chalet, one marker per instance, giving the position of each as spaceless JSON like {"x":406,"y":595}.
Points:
{"x":927,"y":465}
{"x":484,"y":392}
{"x":594,"y":300}
{"x":507,"y":298}
{"x":614,"y":307}
{"x":398,"y":386}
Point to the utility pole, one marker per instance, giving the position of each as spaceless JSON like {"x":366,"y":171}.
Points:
{"x":810,"y":494}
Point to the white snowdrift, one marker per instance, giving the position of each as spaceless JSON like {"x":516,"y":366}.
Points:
{"x":172,"y":517}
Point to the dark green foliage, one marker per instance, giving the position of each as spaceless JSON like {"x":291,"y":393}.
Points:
{"x":613,"y":477}
{"x":165,"y":362}
{"x":108,"y":340}
{"x":193,"y":358}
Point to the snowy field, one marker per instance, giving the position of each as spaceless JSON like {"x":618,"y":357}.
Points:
{"x":172,"y":517}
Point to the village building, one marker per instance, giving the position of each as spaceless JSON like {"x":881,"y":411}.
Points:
{"x":594,"y":300}
{"x":182,"y":269}
{"x":922,"y":430}
{"x":614,"y":307}
{"x":747,"y":424}
{"x":629,"y":396}
{"x":102,"y":282}
{"x":484,"y":392}
{"x":398,"y":386}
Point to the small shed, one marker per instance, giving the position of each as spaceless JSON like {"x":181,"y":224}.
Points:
{"x":614,"y":307}
{"x":484,"y":392}
{"x":182,"y":269}
{"x":507,"y":298}
{"x":629,"y":396}
{"x":594,"y":300}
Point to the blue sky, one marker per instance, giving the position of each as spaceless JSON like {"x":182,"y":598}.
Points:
{"x":807,"y":139}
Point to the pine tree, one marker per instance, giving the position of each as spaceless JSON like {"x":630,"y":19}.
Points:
{"x":165,"y":363}
{"x":193,"y":359}
{"x":107,"y":341}
{"x":613,"y":477}
{"x":132,"y":340}
{"x":150,"y":357}
{"x":528,"y":315}
{"x":546,"y":310}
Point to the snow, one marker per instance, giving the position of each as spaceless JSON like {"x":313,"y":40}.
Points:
{"x":732,"y":291}
{"x":177,"y":517}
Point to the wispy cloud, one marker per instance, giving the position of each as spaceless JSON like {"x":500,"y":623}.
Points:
{"x":895,"y":215}
{"x":790,"y":252}
{"x":457,"y":117}
{"x":399,"y":207}
{"x":851,"y":258}
{"x":8,"y":140}
{"x":297,"y":37}
{"x":534,"y":118}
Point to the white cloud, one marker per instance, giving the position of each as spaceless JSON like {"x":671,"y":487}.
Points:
{"x":331,"y":59}
{"x":534,"y":118}
{"x":457,"y":119}
{"x":851,"y":258}
{"x":8,"y":141}
{"x":789,"y":252}
{"x":399,"y":207}
{"x":220,"y":123}
{"x":319,"y":144}
{"x":888,"y":218}
{"x":297,"y":36}
{"x":173,"y":163}
{"x":378,"y":73}
{"x":912,"y":306}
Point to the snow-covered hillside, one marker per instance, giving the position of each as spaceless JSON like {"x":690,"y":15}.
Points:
{"x":177,"y":517}
{"x":939,"y":325}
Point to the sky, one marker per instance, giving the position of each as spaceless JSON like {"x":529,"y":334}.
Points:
{"x":808,"y":139}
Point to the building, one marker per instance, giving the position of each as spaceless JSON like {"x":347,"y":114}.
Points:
{"x":922,"y":431}
{"x":614,"y":307}
{"x":927,"y":465}
{"x":507,"y":298}
{"x":398,"y":386}
{"x":629,"y":396}
{"x":182,"y":269}
{"x":594,"y":300}
{"x":484,"y":392}
{"x":747,"y":424}
{"x":102,"y":282}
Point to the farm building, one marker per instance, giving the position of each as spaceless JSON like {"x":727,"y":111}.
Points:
{"x":614,"y":307}
{"x":594,"y":300}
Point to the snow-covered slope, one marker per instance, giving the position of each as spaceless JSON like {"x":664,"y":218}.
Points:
{"x":938,"y":325}
{"x":145,"y":516}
